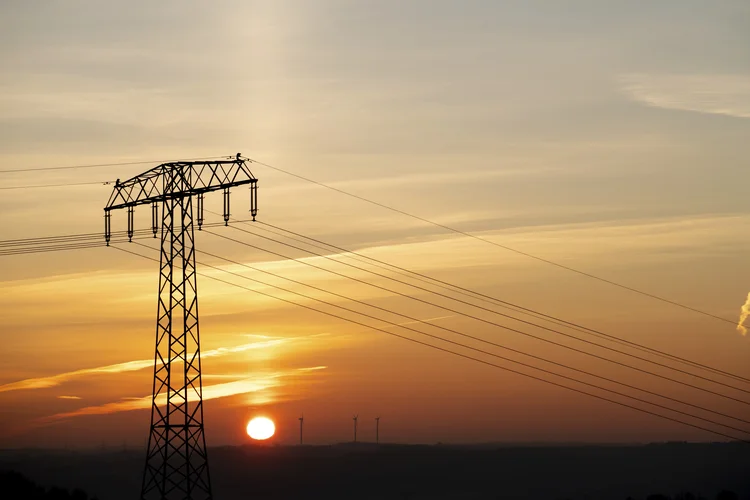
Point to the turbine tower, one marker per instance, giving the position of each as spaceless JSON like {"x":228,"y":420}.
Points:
{"x":377,"y":430}
{"x":176,"y":461}
{"x":301,"y":421}
{"x":355,"y":427}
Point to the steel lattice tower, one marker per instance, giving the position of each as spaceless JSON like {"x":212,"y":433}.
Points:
{"x":176,"y":459}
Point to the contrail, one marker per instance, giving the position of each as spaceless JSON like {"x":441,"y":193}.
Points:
{"x":744,"y":313}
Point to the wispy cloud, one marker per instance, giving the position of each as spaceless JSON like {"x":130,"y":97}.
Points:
{"x":254,"y":384}
{"x":714,"y":94}
{"x":421,"y":179}
{"x":312,"y":369}
{"x":240,"y":376}
{"x":55,"y":380}
{"x":69,"y":397}
{"x":744,"y":313}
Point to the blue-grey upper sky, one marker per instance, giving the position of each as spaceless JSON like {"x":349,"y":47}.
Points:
{"x":650,"y":99}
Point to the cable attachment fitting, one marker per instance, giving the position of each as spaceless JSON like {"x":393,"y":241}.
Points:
{"x":154,"y":218}
{"x":200,"y":211}
{"x":107,"y":226}
{"x":131,"y":211}
{"x":254,"y":199}
{"x":226,"y":206}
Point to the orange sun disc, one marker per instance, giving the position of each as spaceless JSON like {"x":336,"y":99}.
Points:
{"x":260,"y":428}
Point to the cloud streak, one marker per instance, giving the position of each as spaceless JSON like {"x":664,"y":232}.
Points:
{"x":727,"y":95}
{"x":247,"y":385}
{"x":130,"y":366}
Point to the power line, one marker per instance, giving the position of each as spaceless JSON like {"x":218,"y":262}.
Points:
{"x":42,"y":240}
{"x":62,"y":247}
{"x":62,"y":243}
{"x":490,"y":299}
{"x":382,"y":205}
{"x":580,"y":391}
{"x":78,"y":245}
{"x":79,"y":241}
{"x":34,"y":186}
{"x":450,"y":330}
{"x":82,"y":241}
{"x":408,"y":317}
{"x":68,"y":167}
{"x":478,"y":307}
{"x":97,"y":236}
{"x":466,"y":346}
{"x":98,"y":165}
{"x":512,"y":350}
{"x":504,"y":247}
{"x":455,"y":311}
{"x":426,"y":221}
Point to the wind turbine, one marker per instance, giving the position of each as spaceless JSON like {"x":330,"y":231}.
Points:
{"x":377,"y":430}
{"x":355,"y":427}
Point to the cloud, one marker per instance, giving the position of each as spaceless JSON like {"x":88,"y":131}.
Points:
{"x":421,"y":179}
{"x":255,"y":384}
{"x":744,"y":313}
{"x":312,"y":369}
{"x":55,"y":380}
{"x":713,"y":94}
{"x":239,"y":376}
{"x":69,"y":397}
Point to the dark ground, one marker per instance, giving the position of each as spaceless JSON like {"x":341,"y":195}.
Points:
{"x":417,"y":472}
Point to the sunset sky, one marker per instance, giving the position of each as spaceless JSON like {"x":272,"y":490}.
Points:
{"x":608,"y":136}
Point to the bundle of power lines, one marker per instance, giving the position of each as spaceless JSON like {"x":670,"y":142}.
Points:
{"x":691,"y":376}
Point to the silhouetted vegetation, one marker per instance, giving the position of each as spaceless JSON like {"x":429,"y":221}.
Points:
{"x":722,"y":495}
{"x":16,"y":486}
{"x":365,"y":471}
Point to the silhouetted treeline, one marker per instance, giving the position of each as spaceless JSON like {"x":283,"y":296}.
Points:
{"x":365,"y":471}
{"x":16,"y":486}
{"x":722,"y":495}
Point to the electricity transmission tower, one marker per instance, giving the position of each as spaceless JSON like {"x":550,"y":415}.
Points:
{"x":176,"y":460}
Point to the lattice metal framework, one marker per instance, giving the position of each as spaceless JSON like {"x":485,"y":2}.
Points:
{"x":176,"y":460}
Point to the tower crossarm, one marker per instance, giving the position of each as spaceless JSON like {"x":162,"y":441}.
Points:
{"x":179,"y":179}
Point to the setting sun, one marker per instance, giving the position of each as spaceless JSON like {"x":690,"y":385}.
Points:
{"x":260,"y":428}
